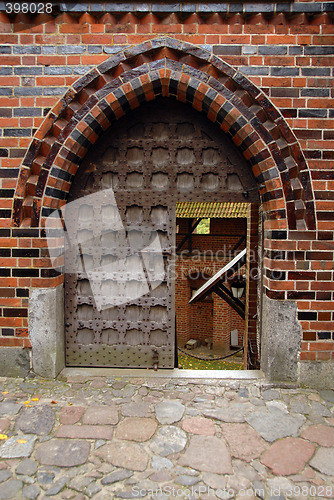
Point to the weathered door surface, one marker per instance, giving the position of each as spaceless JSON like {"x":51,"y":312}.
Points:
{"x":160,"y":154}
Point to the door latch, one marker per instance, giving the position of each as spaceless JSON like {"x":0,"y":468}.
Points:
{"x":155,"y":359}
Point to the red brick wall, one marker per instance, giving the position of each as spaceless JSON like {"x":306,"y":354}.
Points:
{"x":201,"y":320}
{"x":285,"y":50}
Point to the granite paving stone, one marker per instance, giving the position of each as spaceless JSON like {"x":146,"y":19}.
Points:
{"x":71,"y":414}
{"x":85,"y":432}
{"x":159,"y":463}
{"x":277,"y":405}
{"x":243,"y":392}
{"x":169,"y":412}
{"x":57,"y":487}
{"x":300,"y":407}
{"x":214,"y":481}
{"x":320,"y":434}
{"x":179,"y":470}
{"x":248,"y":470}
{"x":186,"y":480}
{"x":238,"y":483}
{"x":98,"y":383}
{"x":127,"y":392}
{"x":207,"y":454}
{"x":98,"y":443}
{"x":288,"y":456}
{"x":161,"y":476}
{"x":323,"y":461}
{"x":314,"y":397}
{"x":327,"y":394}
{"x":37,"y":420}
{"x":79,"y":483}
{"x":63,"y":453}
{"x":126,"y":455}
{"x":116,"y":476}
{"x":225,"y":415}
{"x":80,"y":496}
{"x":143,"y":391}
{"x":167,"y":440}
{"x":27,"y":467}
{"x":18,"y":446}
{"x":320,"y":409}
{"x":119,"y":384}
{"x":4,"y":475}
{"x":101,"y":415}
{"x":278,"y":486}
{"x":136,"y":409}
{"x":92,"y":489}
{"x":45,"y":477}
{"x":136,"y":429}
{"x":270,"y":394}
{"x":244,"y":442}
{"x":4,"y":425}
{"x":29,"y":387}
{"x":259,"y":488}
{"x":199,"y":425}
{"x":9,"y":408}
{"x":11,"y":488}
{"x":26,"y":479}
{"x":275,"y":424}
{"x":31,"y":491}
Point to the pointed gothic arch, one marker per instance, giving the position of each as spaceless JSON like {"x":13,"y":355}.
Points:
{"x":170,"y":68}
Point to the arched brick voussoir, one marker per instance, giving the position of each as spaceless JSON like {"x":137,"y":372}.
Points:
{"x":227,"y":116}
{"x":123,"y":81}
{"x":163,"y":82}
{"x":88,"y":129}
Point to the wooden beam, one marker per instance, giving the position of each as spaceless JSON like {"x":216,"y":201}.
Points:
{"x":188,"y":235}
{"x":220,"y":276}
{"x":226,"y":295}
{"x":237,"y":245}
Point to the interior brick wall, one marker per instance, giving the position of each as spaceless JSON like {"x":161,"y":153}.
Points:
{"x":212,"y":318}
{"x":225,"y":319}
{"x":284,"y":49}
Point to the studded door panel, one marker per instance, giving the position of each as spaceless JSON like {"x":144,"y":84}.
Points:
{"x":149,"y":160}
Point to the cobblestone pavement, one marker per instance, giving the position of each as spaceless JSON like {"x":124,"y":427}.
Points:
{"x":161,"y":438}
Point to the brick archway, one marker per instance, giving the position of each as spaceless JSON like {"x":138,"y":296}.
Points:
{"x":174,"y":69}
{"x":170,"y":68}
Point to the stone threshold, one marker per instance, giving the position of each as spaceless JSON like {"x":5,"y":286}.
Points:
{"x":163,"y":373}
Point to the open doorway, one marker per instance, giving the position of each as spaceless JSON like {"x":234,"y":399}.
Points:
{"x":148,"y":162}
{"x":212,"y":329}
